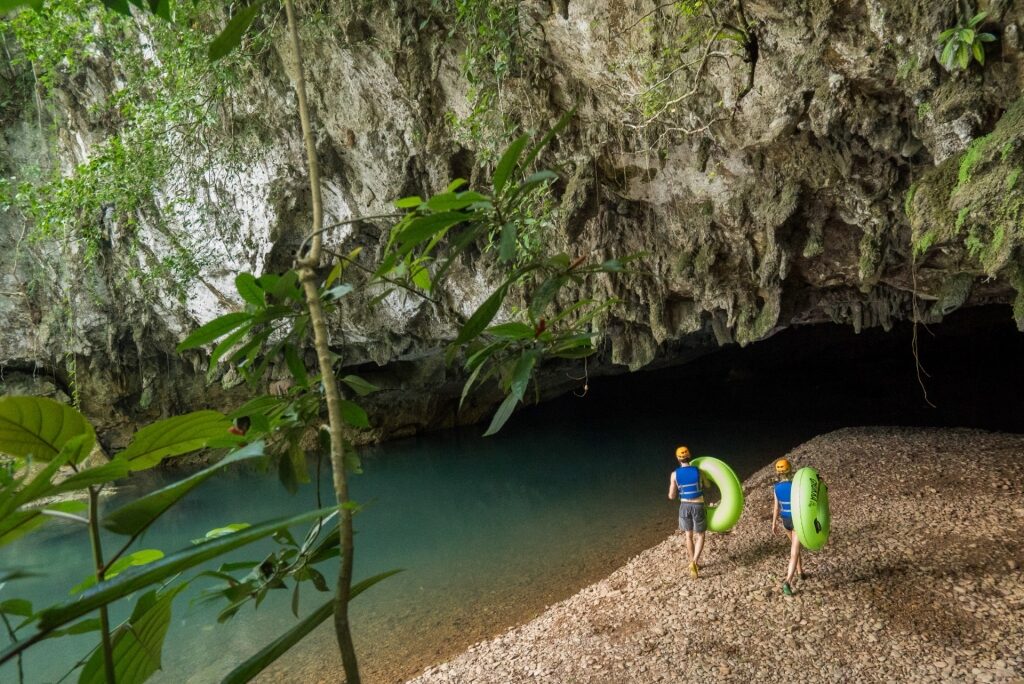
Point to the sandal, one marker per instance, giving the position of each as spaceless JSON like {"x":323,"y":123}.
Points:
{"x":786,"y":589}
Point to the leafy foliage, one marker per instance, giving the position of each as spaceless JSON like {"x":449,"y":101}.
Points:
{"x":963,"y":42}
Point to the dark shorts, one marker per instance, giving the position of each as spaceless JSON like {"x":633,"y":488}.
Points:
{"x":692,"y":517}
{"x":787,"y":523}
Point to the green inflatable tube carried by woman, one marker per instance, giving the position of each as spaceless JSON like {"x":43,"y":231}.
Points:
{"x":727,"y":513}
{"x":809,"y":501}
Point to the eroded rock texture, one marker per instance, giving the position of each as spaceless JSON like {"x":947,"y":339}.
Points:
{"x":817,"y":174}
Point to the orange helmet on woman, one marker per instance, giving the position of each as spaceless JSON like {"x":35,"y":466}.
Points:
{"x":782,"y":466}
{"x":682,"y":453}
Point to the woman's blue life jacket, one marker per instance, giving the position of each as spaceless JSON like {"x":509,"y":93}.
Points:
{"x":688,"y":482}
{"x":783,"y":492}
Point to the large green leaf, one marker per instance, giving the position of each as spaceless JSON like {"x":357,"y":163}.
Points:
{"x":176,"y":436}
{"x":507,"y":163}
{"x":520,"y":380}
{"x":232,"y":34}
{"x":8,"y":5}
{"x":424,"y":227}
{"x":216,"y":328}
{"x":138,"y":645}
{"x":249,"y":290}
{"x":41,"y":484}
{"x":41,"y":427}
{"x":134,"y":579}
{"x":19,"y":523}
{"x":482,"y":317}
{"x":353,"y":414}
{"x":101,"y":474}
{"x":275,"y":649}
{"x":360,"y":386}
{"x":138,"y":514}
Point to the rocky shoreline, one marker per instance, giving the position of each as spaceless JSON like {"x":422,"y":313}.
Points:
{"x":920,"y":581}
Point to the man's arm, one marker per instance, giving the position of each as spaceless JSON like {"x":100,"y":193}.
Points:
{"x":775,"y":514}
{"x":673,"y":491}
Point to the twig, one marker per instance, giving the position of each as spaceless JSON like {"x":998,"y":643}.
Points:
{"x":302,"y":247}
{"x":392,"y":281}
{"x":65,"y":516}
{"x":913,"y":339}
{"x":14,"y":640}
{"x":633,"y":25}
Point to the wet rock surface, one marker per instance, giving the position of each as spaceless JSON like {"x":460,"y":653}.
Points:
{"x":920,"y":581}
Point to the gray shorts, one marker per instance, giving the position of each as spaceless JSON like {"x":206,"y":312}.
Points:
{"x":692,"y":518}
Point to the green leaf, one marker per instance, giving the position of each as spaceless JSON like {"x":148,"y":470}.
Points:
{"x":947,"y":34}
{"x":231,"y":36}
{"x":250,"y":290}
{"x":287,"y":286}
{"x":176,"y":436}
{"x":137,"y":515}
{"x":482,"y":317}
{"x":949,"y":54}
{"x":507,"y":250}
{"x":424,"y":227}
{"x":227,"y":344}
{"x":40,"y":427}
{"x":450,"y":201}
{"x":507,"y":163}
{"x":979,"y":52}
{"x":41,"y":484}
{"x":559,"y":126}
{"x":360,"y":386}
{"x":19,"y":607}
{"x":611,"y":266}
{"x":522,"y":372}
{"x":502,"y":415}
{"x":977,"y":19}
{"x":986,"y":37}
{"x":353,"y":414}
{"x":19,"y":523}
{"x":456,"y":184}
{"x":138,"y":646}
{"x":545,"y":294}
{"x":336,"y":292}
{"x":220,"y":532}
{"x":295,"y":365}
{"x":512,"y":331}
{"x":216,"y":328}
{"x":142,"y":557}
{"x":135,"y":579}
{"x":409,"y":202}
{"x":275,"y":649}
{"x":963,"y":55}
{"x":10,"y":5}
{"x":101,"y":474}
{"x":162,"y":9}
{"x":119,"y":6}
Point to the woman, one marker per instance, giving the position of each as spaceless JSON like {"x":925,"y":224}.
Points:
{"x":782,"y":510}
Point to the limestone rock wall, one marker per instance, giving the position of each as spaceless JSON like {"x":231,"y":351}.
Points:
{"x":760,"y":204}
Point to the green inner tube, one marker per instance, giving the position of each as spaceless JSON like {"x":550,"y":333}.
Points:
{"x":811,"y":518}
{"x":726,"y":514}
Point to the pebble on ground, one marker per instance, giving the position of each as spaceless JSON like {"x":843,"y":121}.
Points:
{"x":920,"y":581}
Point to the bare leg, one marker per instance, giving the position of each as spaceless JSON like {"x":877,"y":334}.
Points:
{"x":698,"y":546}
{"x":689,"y":544}
{"x":794,"y":556}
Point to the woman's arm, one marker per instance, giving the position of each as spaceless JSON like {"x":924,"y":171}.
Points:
{"x":775,"y":513}
{"x":673,"y":491}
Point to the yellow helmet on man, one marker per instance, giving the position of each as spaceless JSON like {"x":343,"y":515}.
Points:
{"x":782,"y":466}
{"x":682,"y":453}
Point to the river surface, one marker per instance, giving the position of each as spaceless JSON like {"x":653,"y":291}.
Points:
{"x":489,"y":531}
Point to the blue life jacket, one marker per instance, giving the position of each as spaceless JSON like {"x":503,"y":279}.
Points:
{"x":688,"y":482}
{"x":783,"y":492}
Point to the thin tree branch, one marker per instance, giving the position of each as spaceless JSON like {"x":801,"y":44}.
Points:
{"x":14,"y":640}
{"x":307,"y":273}
{"x":97,"y":556}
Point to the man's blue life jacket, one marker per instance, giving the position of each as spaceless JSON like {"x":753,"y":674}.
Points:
{"x":688,"y":482}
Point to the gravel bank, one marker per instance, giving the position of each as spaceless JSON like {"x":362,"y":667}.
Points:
{"x":921,"y":580}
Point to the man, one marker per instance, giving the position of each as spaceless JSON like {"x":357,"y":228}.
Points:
{"x":684,"y":484}
{"x":783,"y":510}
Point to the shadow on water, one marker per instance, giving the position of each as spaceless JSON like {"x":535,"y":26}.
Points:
{"x":490,"y":531}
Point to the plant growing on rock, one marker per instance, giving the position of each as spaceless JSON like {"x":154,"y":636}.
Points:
{"x":961,"y":43}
